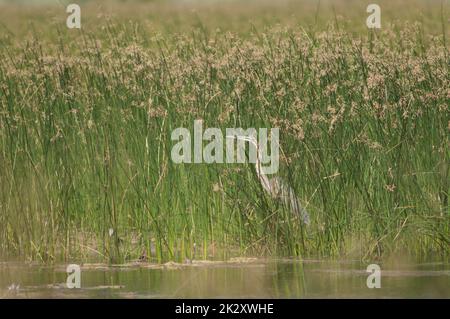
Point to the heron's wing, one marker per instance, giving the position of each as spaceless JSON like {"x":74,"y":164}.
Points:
{"x":280,"y":189}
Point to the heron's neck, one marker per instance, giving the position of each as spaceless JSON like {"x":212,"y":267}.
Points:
{"x":262,"y":177}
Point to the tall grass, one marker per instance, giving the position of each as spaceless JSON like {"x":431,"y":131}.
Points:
{"x":85,"y":124}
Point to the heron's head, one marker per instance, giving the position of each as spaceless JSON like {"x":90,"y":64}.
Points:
{"x":250,"y":139}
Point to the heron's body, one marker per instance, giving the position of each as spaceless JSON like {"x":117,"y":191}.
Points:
{"x":276,"y":186}
{"x":285,"y":193}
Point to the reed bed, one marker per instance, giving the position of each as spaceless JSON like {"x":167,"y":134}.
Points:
{"x":86,"y":118}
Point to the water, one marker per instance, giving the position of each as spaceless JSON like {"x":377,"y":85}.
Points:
{"x":239,"y":278}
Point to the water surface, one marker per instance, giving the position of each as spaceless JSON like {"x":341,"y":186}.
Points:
{"x":238,"y":278}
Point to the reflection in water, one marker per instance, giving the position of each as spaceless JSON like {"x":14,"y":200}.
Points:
{"x":253,"y":279}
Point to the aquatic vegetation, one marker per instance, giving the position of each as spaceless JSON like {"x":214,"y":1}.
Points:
{"x":86,"y":120}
